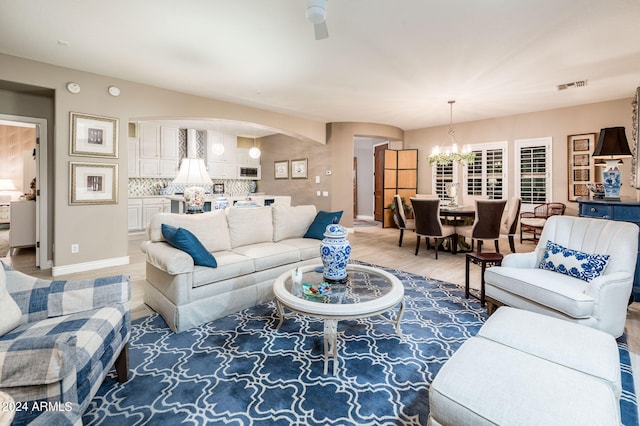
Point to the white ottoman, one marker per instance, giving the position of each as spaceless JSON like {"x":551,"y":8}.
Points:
{"x":525,"y":368}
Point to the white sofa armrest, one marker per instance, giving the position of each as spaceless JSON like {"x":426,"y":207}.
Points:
{"x":169,"y":259}
{"x":611,"y":291}
{"x":521,"y":260}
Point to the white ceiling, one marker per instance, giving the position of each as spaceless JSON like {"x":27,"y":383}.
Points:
{"x":392,"y":62}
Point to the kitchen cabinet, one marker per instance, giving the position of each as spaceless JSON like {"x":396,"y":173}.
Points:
{"x":225,"y":165}
{"x":245,"y":160}
{"x":153,"y":205}
{"x":158,"y":151}
{"x":134,"y":214}
{"x":626,"y":211}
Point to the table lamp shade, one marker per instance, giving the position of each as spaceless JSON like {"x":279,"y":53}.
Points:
{"x":193,"y":172}
{"x":612,"y":145}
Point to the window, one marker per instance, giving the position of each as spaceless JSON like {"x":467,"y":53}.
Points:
{"x":486,"y":176}
{"x":443,"y":177}
{"x":533,"y":171}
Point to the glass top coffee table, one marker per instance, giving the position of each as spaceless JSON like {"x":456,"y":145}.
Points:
{"x":368,"y":292}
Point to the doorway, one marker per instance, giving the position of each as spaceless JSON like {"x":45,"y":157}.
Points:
{"x":367,"y":194}
{"x":23,"y":175}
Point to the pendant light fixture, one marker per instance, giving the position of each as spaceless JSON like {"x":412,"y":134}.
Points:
{"x":450,"y":153}
{"x":255,"y":151}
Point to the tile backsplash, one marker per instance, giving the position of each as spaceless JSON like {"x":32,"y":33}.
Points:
{"x":140,"y":187}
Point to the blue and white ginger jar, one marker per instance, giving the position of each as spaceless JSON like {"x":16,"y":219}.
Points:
{"x":335,"y":251}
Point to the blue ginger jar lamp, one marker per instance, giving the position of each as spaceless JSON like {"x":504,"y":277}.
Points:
{"x":335,"y":251}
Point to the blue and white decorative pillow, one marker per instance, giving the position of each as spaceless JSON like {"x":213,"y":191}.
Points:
{"x":574,"y":263}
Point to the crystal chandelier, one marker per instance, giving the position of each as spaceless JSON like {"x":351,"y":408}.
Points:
{"x":448,"y":154}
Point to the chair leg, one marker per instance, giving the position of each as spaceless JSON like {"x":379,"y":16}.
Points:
{"x":122,"y":364}
{"x":512,"y":244}
{"x":401,"y":235}
{"x":497,"y":243}
{"x":435,"y":246}
{"x":479,"y":246}
{"x":417,"y":244}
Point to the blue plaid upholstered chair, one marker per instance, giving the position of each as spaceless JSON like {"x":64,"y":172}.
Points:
{"x":68,"y":338}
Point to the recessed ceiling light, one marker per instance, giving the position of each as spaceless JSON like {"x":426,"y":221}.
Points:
{"x":64,"y":43}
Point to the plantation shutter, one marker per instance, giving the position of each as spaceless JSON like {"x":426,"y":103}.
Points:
{"x":533,"y":159}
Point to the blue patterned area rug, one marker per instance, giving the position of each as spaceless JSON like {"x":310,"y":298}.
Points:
{"x":239,"y":370}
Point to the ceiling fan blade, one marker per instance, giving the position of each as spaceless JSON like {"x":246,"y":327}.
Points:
{"x":321,"y":30}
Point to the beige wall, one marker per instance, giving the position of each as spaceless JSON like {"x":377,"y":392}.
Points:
{"x":557,"y":124}
{"x":101,"y":231}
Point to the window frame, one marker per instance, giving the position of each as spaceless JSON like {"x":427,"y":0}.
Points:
{"x":484,"y":174}
{"x":519,"y":144}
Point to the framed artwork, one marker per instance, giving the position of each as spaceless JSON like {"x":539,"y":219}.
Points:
{"x":580,"y":164}
{"x":218,"y":188}
{"x":281,"y":169}
{"x":93,"y":183}
{"x":299,"y":169}
{"x":93,"y":136}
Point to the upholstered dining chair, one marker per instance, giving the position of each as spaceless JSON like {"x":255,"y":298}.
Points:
{"x":401,"y":219}
{"x":486,"y":226}
{"x":510,"y":221}
{"x":428,"y":224}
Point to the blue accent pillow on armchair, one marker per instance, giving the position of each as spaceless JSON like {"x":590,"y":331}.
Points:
{"x":320,"y":223}
{"x":184,"y":240}
{"x":574,"y":263}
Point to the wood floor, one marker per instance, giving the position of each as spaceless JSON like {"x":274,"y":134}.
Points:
{"x":369,"y":244}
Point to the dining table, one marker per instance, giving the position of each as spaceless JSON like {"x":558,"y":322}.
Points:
{"x":458,"y":215}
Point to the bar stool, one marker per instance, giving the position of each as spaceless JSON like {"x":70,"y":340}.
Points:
{"x":484,"y":260}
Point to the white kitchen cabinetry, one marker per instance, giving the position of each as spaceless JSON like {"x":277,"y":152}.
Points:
{"x":153,"y":205}
{"x":158,"y":151}
{"x":149,"y":140}
{"x":245,"y":160}
{"x":222,"y":166}
{"x":134,"y":214}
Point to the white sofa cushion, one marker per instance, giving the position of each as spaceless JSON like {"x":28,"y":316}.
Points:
{"x":309,"y":247}
{"x":488,"y":383}
{"x":291,"y":222}
{"x":210,"y":227}
{"x":250,"y":225}
{"x":566,"y":343}
{"x":561,"y":292}
{"x":269,"y":255}
{"x":230,"y":265}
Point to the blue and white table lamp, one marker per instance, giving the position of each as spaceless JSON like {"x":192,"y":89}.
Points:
{"x":611,"y":147}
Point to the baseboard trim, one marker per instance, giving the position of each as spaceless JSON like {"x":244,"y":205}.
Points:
{"x":89,"y":266}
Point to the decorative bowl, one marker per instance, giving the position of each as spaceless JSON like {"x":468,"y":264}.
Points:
{"x":597,"y":189}
{"x":320,"y":289}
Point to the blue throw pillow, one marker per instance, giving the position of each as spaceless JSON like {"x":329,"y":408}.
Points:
{"x":184,"y":240}
{"x":574,"y":263}
{"x":320,"y":223}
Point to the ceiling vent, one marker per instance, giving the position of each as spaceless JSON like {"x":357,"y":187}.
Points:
{"x":572,"y":85}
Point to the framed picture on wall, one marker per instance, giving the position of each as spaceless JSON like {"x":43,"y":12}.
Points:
{"x":580,"y":164}
{"x":93,"y":135}
{"x":299,"y":169}
{"x":93,"y":183}
{"x":281,"y":169}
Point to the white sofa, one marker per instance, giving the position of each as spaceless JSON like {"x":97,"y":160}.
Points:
{"x":600,"y":303}
{"x":252,"y":246}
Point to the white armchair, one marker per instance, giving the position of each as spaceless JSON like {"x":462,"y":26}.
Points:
{"x":599,"y":303}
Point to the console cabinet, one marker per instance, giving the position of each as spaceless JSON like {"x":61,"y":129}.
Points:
{"x":625,"y":211}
